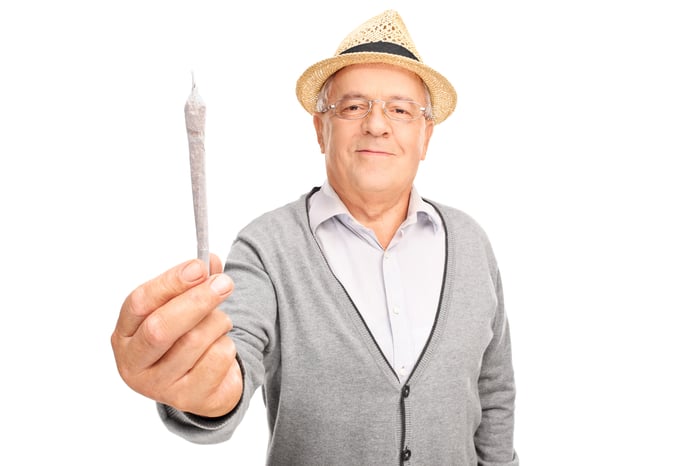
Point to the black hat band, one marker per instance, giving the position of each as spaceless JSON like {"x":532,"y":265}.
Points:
{"x":382,"y":47}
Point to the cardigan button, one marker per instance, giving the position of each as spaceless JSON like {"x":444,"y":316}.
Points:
{"x":406,"y":391}
{"x":405,"y":454}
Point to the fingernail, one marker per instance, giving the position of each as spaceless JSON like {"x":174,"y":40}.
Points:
{"x":192,"y":272}
{"x":221,"y":284}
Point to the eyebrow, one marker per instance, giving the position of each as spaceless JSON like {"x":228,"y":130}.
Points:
{"x":356,"y":95}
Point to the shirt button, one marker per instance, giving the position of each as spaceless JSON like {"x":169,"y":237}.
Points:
{"x":402,"y":371}
{"x":395,"y":310}
{"x":405,"y":454}
{"x":386,"y":256}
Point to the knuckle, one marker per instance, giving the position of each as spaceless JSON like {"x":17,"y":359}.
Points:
{"x":155,"y":330}
{"x":191,"y":339}
{"x":223,"y":352}
{"x":136,"y":302}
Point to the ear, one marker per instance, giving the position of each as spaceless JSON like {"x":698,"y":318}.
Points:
{"x":318,"y":124}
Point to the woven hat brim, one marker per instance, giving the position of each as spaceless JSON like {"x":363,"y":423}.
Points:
{"x":442,"y":94}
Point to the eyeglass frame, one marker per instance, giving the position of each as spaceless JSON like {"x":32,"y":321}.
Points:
{"x":370,"y":102}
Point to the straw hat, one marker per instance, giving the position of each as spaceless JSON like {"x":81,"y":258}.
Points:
{"x":382,"y":39}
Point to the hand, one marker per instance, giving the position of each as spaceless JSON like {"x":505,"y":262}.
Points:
{"x":171,"y":344}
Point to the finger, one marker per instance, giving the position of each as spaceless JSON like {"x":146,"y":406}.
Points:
{"x":154,"y":293}
{"x":189,"y":348}
{"x":227,"y":394}
{"x":208,"y":381}
{"x":161,"y":329}
{"x":215,"y":264}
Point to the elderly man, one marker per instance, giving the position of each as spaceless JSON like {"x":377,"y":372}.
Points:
{"x":372,"y":318}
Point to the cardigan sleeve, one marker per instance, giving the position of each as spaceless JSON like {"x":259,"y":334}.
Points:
{"x":494,"y":436}
{"x":252,"y":308}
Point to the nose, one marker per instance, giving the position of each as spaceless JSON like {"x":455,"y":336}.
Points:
{"x":376,"y":122}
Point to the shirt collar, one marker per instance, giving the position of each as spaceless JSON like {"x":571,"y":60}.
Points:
{"x":325,"y":204}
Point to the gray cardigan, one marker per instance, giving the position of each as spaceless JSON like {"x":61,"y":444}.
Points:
{"x":331,"y":396}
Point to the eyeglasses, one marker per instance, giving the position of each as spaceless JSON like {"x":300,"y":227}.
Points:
{"x":356,"y":109}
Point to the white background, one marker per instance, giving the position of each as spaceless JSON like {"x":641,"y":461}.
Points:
{"x":574,"y":144}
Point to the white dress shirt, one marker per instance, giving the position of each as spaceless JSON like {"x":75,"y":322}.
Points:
{"x":397,"y":290}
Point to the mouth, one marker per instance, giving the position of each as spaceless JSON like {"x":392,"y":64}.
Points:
{"x":374,"y":153}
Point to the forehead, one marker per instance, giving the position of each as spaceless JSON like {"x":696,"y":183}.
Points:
{"x":377,"y":80}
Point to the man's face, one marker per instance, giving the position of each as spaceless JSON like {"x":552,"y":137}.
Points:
{"x":373,"y":155}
